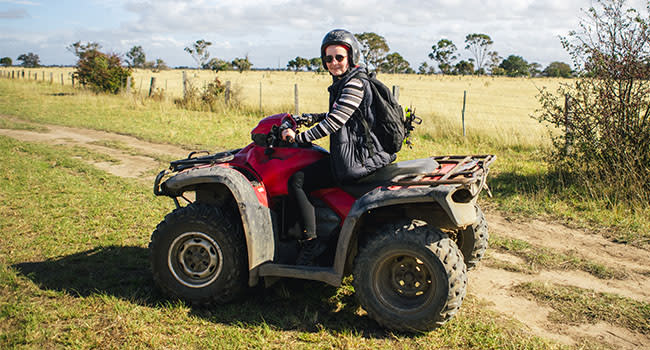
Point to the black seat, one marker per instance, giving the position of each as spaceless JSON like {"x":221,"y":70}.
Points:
{"x":387,"y":173}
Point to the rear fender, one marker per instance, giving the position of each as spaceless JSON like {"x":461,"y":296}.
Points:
{"x":459,"y":214}
{"x":255,"y":217}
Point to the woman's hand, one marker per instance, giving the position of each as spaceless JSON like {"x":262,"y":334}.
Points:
{"x":288,"y":135}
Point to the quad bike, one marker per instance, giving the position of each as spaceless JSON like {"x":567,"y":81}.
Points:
{"x":407,"y":232}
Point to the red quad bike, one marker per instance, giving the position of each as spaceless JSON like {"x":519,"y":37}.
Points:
{"x":407,"y":233}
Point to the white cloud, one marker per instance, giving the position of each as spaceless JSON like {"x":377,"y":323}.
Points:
{"x":279,"y":30}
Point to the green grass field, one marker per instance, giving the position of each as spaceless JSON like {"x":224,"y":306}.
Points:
{"x":74,"y":271}
{"x":520,"y":179}
{"x":74,"y":274}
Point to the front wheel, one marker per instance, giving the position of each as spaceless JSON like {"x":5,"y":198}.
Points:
{"x":198,"y":254}
{"x":410,"y":278}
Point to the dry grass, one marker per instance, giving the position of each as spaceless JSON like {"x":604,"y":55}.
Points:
{"x":497,"y":106}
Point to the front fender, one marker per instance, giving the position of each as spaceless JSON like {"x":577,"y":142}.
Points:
{"x":460,"y":214}
{"x":255,"y":217}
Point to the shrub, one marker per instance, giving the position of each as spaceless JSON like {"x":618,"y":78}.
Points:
{"x":606,"y":135}
{"x":101,"y":72}
{"x":210,"y":98}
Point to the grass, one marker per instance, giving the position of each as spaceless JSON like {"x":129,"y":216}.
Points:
{"x":520,"y":178}
{"x":74,"y":274}
{"x":574,"y":305}
{"x":538,"y":258}
{"x":16,"y":125}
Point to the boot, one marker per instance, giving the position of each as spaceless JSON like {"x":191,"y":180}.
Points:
{"x":311,"y":249}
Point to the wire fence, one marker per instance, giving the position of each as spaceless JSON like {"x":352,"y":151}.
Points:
{"x":472,"y":103}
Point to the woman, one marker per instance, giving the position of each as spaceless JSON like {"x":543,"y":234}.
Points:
{"x":351,"y":155}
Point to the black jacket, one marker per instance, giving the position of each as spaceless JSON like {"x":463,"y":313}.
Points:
{"x":350,"y":154}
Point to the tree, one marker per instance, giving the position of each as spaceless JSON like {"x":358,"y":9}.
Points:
{"x":6,"y":61}
{"x":534,"y":69}
{"x":102,"y":72}
{"x":199,"y":52}
{"x":493,"y":63}
{"x":463,"y":68}
{"x":136,"y":57}
{"x":444,"y":52}
{"x":606,"y":136}
{"x":80,"y":48}
{"x":217,"y":65}
{"x":241,"y":64}
{"x":373,"y":47}
{"x":160,"y":65}
{"x":557,"y":69}
{"x":316,"y":64}
{"x":298,"y":63}
{"x":479,"y":45}
{"x":515,"y":66}
{"x":395,"y":63}
{"x":425,"y":69}
{"x":30,"y":60}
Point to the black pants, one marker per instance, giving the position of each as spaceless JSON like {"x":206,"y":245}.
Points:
{"x":310,"y":178}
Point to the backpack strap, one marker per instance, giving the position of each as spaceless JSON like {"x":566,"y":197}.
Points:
{"x":366,"y":128}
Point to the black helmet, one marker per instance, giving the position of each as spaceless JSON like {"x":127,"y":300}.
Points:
{"x":345,"y":38}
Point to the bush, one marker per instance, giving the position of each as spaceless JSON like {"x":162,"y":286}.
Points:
{"x":210,"y":98}
{"x":606,"y":136}
{"x":101,"y":72}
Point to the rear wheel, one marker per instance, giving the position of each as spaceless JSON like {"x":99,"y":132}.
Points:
{"x":410,"y":278}
{"x":473,"y":241}
{"x":198,"y":254}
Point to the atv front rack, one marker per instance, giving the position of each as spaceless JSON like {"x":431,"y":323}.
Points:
{"x":192,"y":161}
{"x":462,"y":170}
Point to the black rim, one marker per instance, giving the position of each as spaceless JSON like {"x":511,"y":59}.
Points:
{"x":404,"y":282}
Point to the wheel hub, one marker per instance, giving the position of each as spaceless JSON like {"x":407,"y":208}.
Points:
{"x":409,"y":276}
{"x":195,"y":259}
{"x":403,"y":282}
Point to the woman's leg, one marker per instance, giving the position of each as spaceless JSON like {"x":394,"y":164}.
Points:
{"x":310,"y":178}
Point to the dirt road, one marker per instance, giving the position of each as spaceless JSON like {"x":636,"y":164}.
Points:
{"x":494,"y":285}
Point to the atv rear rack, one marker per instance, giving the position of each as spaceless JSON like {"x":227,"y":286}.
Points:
{"x":462,"y":170}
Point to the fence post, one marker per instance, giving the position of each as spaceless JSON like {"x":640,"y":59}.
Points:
{"x":51,"y":78}
{"x":227,"y":93}
{"x":72,"y":78}
{"x":396,"y":92}
{"x":463,"y":116}
{"x":12,"y":74}
{"x":128,"y":85}
{"x":184,"y":85}
{"x":260,"y":97}
{"x":295,"y":98}
{"x":152,"y":86}
{"x":62,"y":82}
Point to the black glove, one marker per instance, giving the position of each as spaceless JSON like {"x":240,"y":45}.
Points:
{"x":309,"y":119}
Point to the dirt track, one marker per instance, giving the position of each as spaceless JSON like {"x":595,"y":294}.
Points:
{"x":491,"y":284}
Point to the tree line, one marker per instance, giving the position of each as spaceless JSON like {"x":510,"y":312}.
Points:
{"x":444,"y":56}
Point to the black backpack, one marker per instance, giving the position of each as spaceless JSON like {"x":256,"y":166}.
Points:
{"x":391,"y":127}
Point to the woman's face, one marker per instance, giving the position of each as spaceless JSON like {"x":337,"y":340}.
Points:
{"x":332,"y":55}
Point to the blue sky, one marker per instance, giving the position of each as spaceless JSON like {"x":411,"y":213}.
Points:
{"x":271,"y":32}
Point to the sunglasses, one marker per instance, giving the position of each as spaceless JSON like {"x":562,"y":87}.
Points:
{"x":330,"y":58}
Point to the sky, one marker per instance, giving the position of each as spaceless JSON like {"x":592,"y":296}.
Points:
{"x":272,"y":32}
